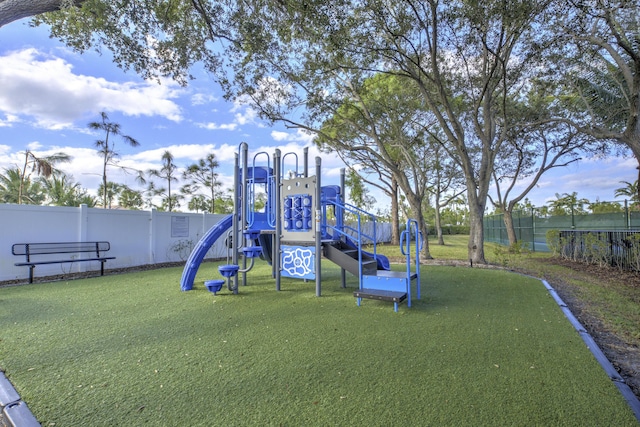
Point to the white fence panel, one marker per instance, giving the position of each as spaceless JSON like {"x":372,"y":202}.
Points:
{"x":136,"y":237}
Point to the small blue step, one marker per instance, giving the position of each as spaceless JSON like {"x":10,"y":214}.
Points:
{"x":251,"y":233}
{"x":382,"y":295}
{"x":386,"y":281}
{"x":252,"y":251}
{"x":214,"y":285}
{"x":228,"y":270}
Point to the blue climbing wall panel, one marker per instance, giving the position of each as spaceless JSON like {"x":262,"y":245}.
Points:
{"x":299,"y":210}
{"x":298,"y":262}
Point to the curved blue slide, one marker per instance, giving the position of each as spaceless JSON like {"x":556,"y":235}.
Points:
{"x":200,"y":250}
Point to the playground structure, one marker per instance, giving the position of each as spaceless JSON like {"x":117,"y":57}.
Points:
{"x":301,"y":221}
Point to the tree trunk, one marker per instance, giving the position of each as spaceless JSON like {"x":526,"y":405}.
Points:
{"x":416,"y":207}
{"x":508,"y":223}
{"x":12,"y":10}
{"x":476,"y":229}
{"x":439,"y":227}
{"x":395,"y":214}
{"x":438,"y":221}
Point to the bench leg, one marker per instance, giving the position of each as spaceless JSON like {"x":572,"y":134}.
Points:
{"x":102,"y":268}
{"x":31,"y":268}
{"x":395,"y":306}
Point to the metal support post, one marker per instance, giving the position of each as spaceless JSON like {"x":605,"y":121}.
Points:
{"x":275,"y":258}
{"x":318,"y":225}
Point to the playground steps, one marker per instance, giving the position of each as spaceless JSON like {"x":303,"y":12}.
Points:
{"x":380,"y":294}
{"x":385,"y":285}
{"x":347,"y":257}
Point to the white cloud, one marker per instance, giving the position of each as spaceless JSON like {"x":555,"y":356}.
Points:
{"x":300,"y":135}
{"x":44,"y":88}
{"x":184,"y":154}
{"x":35,"y":145}
{"x":216,"y":126}
{"x":592,"y":179}
{"x":203,"y":98}
{"x":9,"y":120}
{"x":249,"y":115}
{"x":243,"y":115}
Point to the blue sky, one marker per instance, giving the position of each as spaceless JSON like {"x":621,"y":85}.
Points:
{"x":48,"y":94}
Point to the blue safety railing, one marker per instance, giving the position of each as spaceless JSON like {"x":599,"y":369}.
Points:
{"x":295,"y":171}
{"x":349,"y":232}
{"x":251,"y":205}
{"x":405,"y":247}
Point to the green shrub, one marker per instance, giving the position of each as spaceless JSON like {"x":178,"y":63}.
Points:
{"x":553,"y":242}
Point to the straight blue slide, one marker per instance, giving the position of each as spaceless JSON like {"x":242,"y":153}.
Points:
{"x":200,"y":250}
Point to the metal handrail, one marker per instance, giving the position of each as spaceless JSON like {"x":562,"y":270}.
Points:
{"x":340,"y":230}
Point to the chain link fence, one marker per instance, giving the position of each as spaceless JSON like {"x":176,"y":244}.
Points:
{"x":531,"y":226}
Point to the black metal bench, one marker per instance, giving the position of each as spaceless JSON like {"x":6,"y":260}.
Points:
{"x":46,"y":250}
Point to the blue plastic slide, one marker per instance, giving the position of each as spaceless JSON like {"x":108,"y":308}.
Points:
{"x":382,"y":261}
{"x":200,"y":250}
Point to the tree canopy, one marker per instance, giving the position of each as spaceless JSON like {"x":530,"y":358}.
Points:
{"x":468,"y":64}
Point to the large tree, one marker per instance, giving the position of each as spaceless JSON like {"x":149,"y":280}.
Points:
{"x":169,"y":173}
{"x":42,"y":166}
{"x":62,"y":190}
{"x":204,"y":174}
{"x":106,"y":149}
{"x":537,"y":144}
{"x":14,"y":188}
{"x":598,"y":58}
{"x":465,"y":58}
{"x":379,"y":126}
{"x":12,"y":10}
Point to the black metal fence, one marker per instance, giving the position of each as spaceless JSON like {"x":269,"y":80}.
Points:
{"x":619,"y":249}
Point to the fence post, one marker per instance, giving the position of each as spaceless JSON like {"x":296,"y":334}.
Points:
{"x":83,"y":226}
{"x":152,"y":235}
{"x":627,"y":216}
{"x":533,"y":230}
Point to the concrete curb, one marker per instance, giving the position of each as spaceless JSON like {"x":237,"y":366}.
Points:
{"x":14,"y":410}
{"x":624,"y":388}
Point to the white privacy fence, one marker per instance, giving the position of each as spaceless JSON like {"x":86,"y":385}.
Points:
{"x":136,"y":237}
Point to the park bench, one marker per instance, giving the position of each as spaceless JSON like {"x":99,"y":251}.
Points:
{"x":45,"y":253}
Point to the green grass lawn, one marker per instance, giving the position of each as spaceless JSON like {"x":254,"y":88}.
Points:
{"x":482,"y":347}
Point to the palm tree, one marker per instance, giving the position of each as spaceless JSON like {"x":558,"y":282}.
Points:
{"x":167,"y":172}
{"x":629,"y":190}
{"x":42,"y":166}
{"x":204,"y":174}
{"x":113,"y":190}
{"x":130,"y":199}
{"x":568,"y":204}
{"x":62,"y":190}
{"x":15,"y":189}
{"x":106,"y":148}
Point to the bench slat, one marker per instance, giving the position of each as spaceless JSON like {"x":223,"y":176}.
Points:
{"x":29,"y":250}
{"x":59,"y":248}
{"x":60,"y":261}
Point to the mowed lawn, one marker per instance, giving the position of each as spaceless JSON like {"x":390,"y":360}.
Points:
{"x":482,"y":347}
